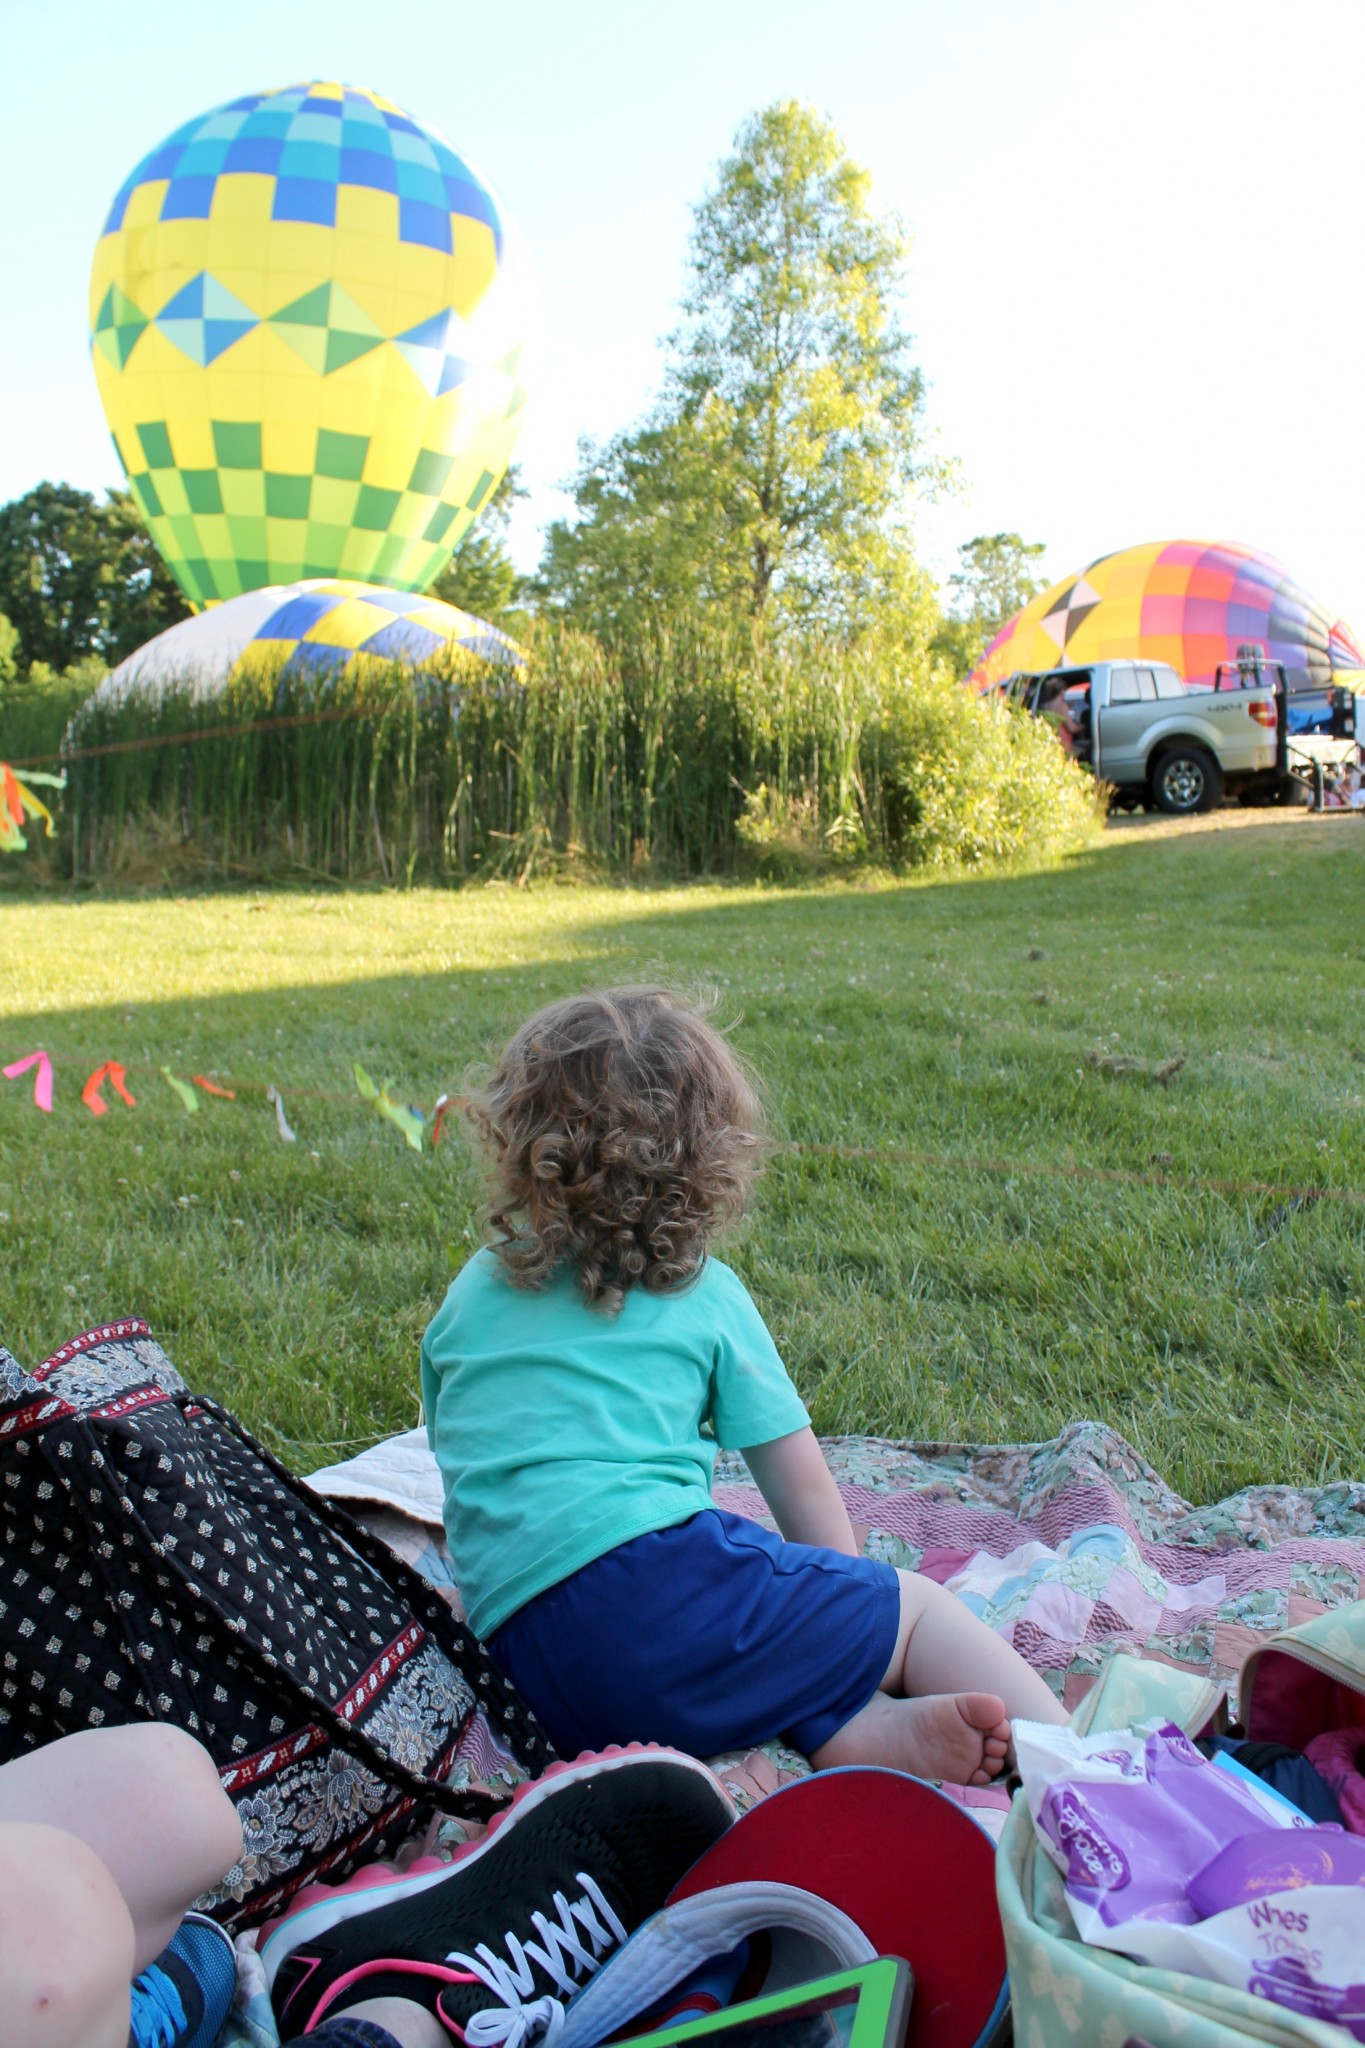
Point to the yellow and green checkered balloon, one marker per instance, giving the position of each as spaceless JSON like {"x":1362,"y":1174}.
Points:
{"x":307,"y":319}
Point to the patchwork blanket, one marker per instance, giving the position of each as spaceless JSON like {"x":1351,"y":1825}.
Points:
{"x":1072,"y":1549}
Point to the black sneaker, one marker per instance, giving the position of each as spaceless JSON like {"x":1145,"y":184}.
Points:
{"x":582,"y":1856}
{"x":182,"y":1999}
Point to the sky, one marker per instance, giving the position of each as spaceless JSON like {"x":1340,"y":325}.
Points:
{"x":1136,"y":274}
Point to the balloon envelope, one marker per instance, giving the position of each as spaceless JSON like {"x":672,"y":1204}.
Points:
{"x":307,"y":324}
{"x":300,"y":626}
{"x":1190,"y":603}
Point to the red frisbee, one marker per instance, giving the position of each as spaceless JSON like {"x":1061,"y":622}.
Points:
{"x":911,"y":1867}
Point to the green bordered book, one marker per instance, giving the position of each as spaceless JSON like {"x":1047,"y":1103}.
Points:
{"x":866,"y":2007}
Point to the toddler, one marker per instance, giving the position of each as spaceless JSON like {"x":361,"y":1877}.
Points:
{"x":577,"y":1381}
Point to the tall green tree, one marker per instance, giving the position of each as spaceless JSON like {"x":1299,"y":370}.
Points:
{"x":481,"y":576}
{"x":780,"y":456}
{"x":80,"y":577}
{"x":9,"y":651}
{"x":995,"y":578}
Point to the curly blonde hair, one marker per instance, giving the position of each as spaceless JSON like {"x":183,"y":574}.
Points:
{"x":624,"y":1133}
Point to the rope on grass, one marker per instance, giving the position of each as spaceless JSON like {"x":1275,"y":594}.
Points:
{"x":1120,"y":1176}
{"x":1292,"y":1198}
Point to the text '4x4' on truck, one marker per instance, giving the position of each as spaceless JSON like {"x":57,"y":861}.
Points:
{"x":1141,"y":728}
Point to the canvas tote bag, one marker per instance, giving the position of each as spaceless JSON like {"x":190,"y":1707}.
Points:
{"x":156,"y":1563}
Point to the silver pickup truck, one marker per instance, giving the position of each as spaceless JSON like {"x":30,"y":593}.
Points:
{"x":1141,"y":728}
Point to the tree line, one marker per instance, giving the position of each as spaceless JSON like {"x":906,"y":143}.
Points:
{"x":772,"y":483}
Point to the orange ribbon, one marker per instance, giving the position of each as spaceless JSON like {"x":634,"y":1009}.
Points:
{"x":115,"y":1073}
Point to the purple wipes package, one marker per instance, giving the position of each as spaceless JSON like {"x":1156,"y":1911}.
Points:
{"x":1132,"y":1825}
{"x":1276,"y":1860}
{"x":1173,"y":1862}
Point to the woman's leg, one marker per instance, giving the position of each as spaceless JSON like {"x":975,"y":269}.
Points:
{"x":66,"y":1943}
{"x":147,"y":1800}
{"x":919,"y":1720}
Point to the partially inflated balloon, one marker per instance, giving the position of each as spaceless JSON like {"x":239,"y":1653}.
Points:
{"x":307,"y":318}
{"x":301,"y":628}
{"x":1192,"y":603}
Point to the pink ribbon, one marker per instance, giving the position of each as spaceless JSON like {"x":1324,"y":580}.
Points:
{"x":42,"y":1080}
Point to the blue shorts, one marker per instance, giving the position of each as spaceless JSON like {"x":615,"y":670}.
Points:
{"x":710,"y":1635}
{"x":348,"y":2033}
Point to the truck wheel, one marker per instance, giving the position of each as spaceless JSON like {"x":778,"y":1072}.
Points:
{"x":1186,"y":779}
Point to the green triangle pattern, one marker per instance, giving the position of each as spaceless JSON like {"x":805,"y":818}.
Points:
{"x":326,"y":328}
{"x":119,"y":326}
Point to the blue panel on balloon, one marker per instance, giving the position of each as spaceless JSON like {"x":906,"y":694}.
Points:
{"x":402,"y":641}
{"x":188,"y":199}
{"x":414,"y":148}
{"x":201,"y":159}
{"x":368,"y":168}
{"x":305,"y":199}
{"x":268,"y":121}
{"x":1267,"y":574}
{"x":260,"y":153}
{"x":187,"y":303}
{"x":312,"y":657}
{"x":162,"y":163}
{"x":293,"y":619}
{"x":421,"y":181}
{"x":429,"y":225}
{"x":463,"y":197}
{"x":310,"y":159}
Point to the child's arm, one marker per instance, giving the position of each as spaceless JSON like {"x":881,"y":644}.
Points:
{"x":793,"y":1478}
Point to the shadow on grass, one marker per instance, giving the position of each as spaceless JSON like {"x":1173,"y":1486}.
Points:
{"x":293,"y":1281}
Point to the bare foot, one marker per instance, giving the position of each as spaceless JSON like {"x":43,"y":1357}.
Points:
{"x":962,"y":1737}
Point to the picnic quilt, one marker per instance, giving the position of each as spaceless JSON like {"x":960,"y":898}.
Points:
{"x":1072,"y":1550}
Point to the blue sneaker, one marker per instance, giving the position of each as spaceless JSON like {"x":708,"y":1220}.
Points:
{"x":183,"y":1998}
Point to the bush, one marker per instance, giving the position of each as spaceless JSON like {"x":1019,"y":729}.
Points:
{"x":35,"y":707}
{"x":969,"y":781}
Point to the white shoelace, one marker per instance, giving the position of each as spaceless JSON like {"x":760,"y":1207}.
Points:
{"x":561,"y":1954}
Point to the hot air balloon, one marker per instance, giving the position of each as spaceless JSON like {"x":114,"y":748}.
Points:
{"x":1191,"y":603}
{"x":307,"y":323}
{"x":308,"y":626}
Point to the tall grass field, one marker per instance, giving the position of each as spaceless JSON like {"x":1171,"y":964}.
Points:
{"x":677,"y":751}
{"x":986,"y":1212}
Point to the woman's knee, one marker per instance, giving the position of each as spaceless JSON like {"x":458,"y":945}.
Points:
{"x":186,"y":1777}
{"x":66,"y":1942}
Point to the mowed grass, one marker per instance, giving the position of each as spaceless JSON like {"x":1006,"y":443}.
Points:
{"x":987,"y":1291}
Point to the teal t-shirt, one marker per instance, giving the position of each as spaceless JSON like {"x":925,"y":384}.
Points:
{"x":562,"y":1432}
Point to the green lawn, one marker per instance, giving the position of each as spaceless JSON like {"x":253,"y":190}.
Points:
{"x":934,"y":1300}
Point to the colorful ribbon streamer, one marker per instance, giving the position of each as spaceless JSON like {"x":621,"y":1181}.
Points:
{"x":183,"y":1089}
{"x":408,"y":1121}
{"x":17,"y":802}
{"x":116,"y":1074}
{"x":273,"y":1095}
{"x":42,"y":1080}
{"x":438,"y":1119}
{"x":212,"y":1088}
